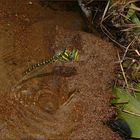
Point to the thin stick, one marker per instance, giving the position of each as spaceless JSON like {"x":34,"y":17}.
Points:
{"x":126,"y":50}
{"x":131,"y":1}
{"x":68,"y":101}
{"x":105,"y":11}
{"x":135,"y":8}
{"x":137,"y":52}
{"x":126,"y":82}
{"x":88,"y":2}
{"x":132,"y":113}
{"x":110,"y":36}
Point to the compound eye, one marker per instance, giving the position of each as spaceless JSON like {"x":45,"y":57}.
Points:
{"x":74,"y":54}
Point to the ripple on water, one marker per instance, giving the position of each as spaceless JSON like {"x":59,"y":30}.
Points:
{"x":41,"y":107}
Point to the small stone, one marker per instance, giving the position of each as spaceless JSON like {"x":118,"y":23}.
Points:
{"x":30,"y":2}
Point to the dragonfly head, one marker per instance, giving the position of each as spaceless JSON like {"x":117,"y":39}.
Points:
{"x":68,"y":55}
{"x":73,"y":55}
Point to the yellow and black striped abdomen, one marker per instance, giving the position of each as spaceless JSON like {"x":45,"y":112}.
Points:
{"x":39,"y":64}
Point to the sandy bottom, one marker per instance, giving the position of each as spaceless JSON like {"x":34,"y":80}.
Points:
{"x":61,"y":100}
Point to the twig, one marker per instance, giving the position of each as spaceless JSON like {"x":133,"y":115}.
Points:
{"x":105,"y":11}
{"x":136,"y":90}
{"x":137,"y":52}
{"x":109,"y":35}
{"x":132,"y":113}
{"x":126,"y":50}
{"x":126,"y":82}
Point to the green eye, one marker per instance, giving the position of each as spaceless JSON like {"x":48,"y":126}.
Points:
{"x":74,"y":54}
{"x":68,"y":55}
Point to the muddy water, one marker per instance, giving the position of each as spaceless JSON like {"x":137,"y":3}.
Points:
{"x":61,"y":100}
{"x":36,"y":105}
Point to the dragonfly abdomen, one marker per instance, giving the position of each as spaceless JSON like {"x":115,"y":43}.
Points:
{"x":39,"y":64}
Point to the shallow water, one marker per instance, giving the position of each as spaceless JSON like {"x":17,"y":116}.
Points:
{"x":61,"y":100}
{"x":33,"y":105}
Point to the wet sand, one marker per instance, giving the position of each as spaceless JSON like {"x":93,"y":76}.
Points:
{"x":61,"y":100}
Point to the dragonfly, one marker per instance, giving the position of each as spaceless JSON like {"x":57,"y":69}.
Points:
{"x":62,"y":55}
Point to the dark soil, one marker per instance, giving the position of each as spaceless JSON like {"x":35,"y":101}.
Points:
{"x":62,"y":100}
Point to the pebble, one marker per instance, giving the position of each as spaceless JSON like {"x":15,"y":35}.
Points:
{"x":30,"y":2}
